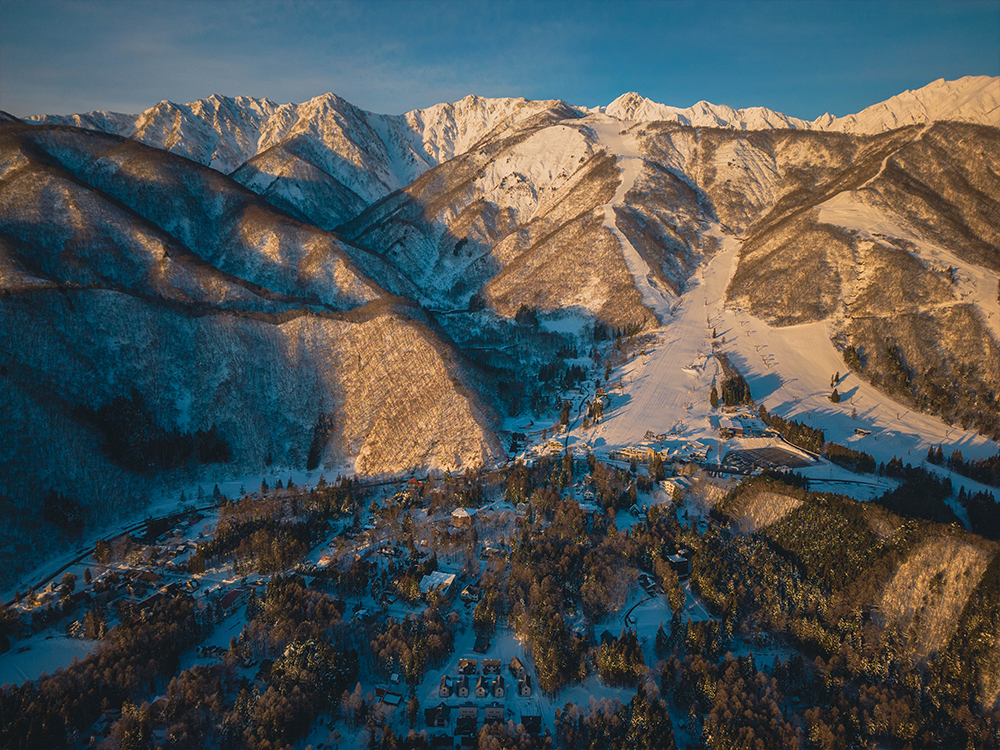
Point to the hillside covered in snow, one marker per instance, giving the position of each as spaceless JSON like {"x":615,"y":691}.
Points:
{"x":296,"y":284}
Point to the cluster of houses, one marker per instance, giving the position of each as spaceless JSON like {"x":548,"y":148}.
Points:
{"x":489,"y":685}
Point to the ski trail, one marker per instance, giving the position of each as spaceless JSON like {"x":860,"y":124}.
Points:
{"x":622,"y":144}
{"x":665,"y":390}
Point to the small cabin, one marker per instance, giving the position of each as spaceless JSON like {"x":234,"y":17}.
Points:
{"x":482,"y":687}
{"x":462,"y":688}
{"x":517,"y":668}
{"x":499,"y":687}
{"x":468,"y":666}
{"x":524,"y":686}
{"x":494,"y":713}
{"x":492,"y":666}
{"x":447,"y":687}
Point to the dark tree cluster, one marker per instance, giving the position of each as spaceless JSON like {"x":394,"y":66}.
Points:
{"x":413,"y":645}
{"x":857,"y":461}
{"x":619,"y":662}
{"x":742,"y":706}
{"x":922,"y":494}
{"x":136,"y":657}
{"x":133,"y":439}
{"x":984,"y":470}
{"x":797,"y":433}
{"x":641,"y":724}
{"x":735,"y":390}
{"x":63,"y":512}
{"x":984,"y":515}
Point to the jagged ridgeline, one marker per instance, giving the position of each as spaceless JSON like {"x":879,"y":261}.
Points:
{"x":317,"y":285}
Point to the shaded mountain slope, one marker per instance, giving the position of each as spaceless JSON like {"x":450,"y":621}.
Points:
{"x":133,"y":281}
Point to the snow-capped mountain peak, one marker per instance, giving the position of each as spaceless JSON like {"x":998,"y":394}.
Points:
{"x":973,"y":99}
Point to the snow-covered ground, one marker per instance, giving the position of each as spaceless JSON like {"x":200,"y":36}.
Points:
{"x":974,"y":285}
{"x":45,"y":652}
{"x":666,"y":388}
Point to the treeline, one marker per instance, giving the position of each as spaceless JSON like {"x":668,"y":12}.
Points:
{"x":641,"y":724}
{"x":806,"y":437}
{"x":857,"y":461}
{"x":135,"y":659}
{"x":983,"y":470}
{"x":132,"y":438}
{"x":735,"y":390}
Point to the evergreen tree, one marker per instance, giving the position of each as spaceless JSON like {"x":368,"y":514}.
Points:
{"x":662,"y":642}
{"x":835,"y":397}
{"x":714,"y":397}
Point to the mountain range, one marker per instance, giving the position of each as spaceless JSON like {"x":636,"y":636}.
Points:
{"x":317,"y":284}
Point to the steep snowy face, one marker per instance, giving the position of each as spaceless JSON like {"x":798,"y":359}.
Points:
{"x":974,"y":99}
{"x":443,"y":131}
{"x":632,"y":107}
{"x":220,"y":131}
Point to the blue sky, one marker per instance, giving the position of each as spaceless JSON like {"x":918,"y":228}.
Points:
{"x":801,"y":58}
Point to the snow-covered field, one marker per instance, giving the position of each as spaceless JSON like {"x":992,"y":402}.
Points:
{"x":42,"y":653}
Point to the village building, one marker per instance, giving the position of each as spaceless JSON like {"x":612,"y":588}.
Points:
{"x":447,"y":687}
{"x":461,"y":517}
{"x":492,"y":666}
{"x":524,"y":686}
{"x":462,"y":687}
{"x":468,"y":666}
{"x":234,"y":599}
{"x":470,"y":593}
{"x":675,"y":485}
{"x":499,"y":687}
{"x":482,"y":687}
{"x":436,"y":581}
{"x":517,"y":668}
{"x":468,"y":710}
{"x":680,"y":563}
{"x":439,"y":716}
{"x":494,"y":713}
{"x":531,"y":724}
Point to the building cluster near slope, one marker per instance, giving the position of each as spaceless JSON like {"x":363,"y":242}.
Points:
{"x":490,"y":689}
